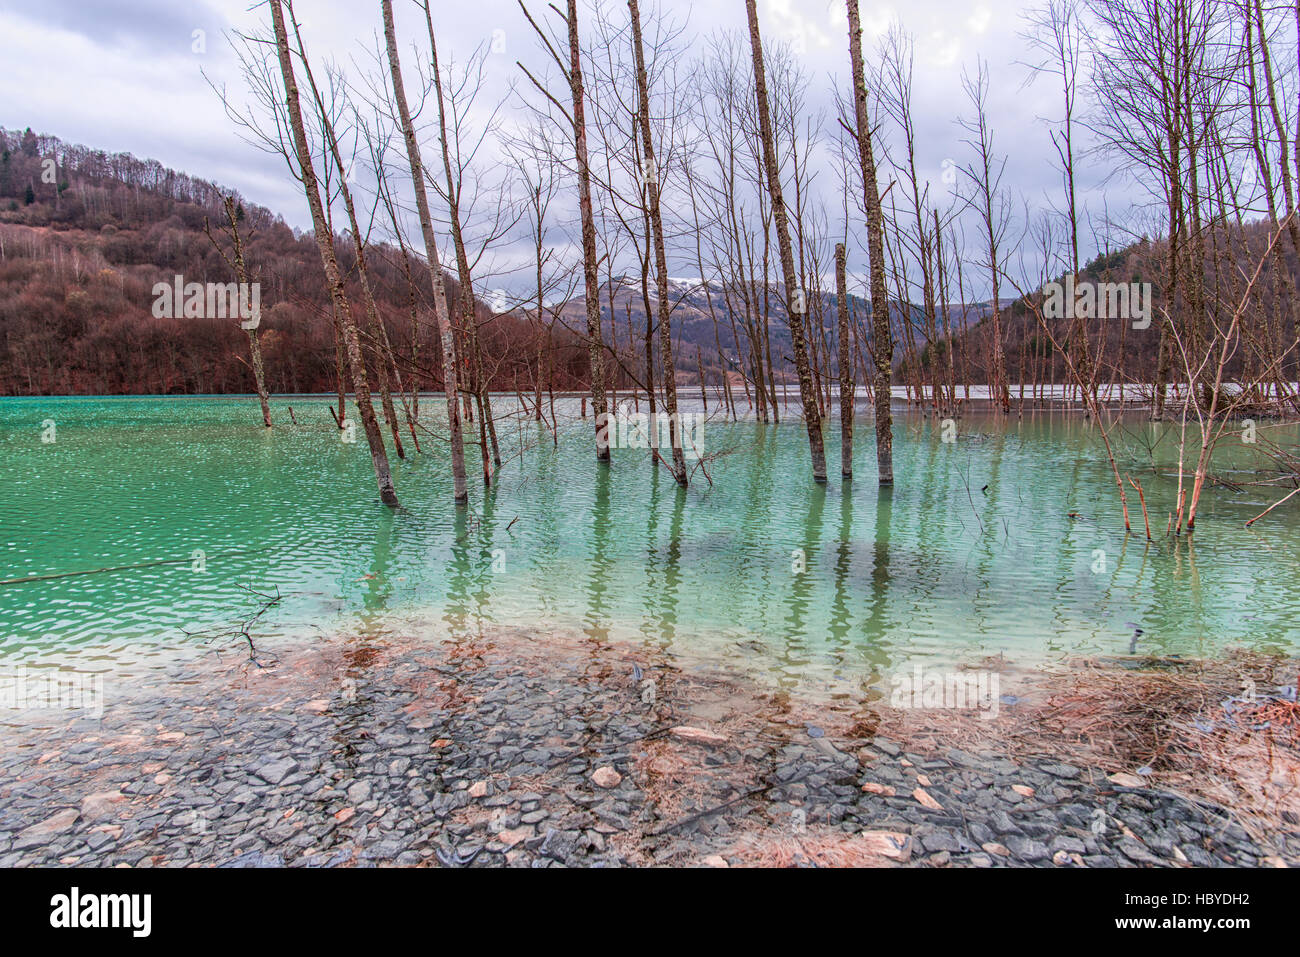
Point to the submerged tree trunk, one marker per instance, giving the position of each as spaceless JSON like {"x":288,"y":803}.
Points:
{"x":340,"y":369}
{"x":795,"y":297}
{"x":325,"y":243}
{"x":238,"y":265}
{"x":591,"y":280}
{"x":651,"y":174}
{"x":883,"y":332}
{"x":441,"y":316}
{"x":469,"y":335}
{"x":259,"y":375}
{"x":847,"y":387}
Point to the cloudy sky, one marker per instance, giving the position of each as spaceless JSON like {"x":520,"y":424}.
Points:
{"x":132,"y":75}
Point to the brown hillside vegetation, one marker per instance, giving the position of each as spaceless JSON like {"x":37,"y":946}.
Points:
{"x":79,"y":258}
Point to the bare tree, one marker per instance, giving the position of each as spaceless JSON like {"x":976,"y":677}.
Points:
{"x":660,"y":250}
{"x":795,"y":295}
{"x":1056,"y":34}
{"x":883,"y":347}
{"x":453,"y":193}
{"x":325,"y":243}
{"x":378,"y":335}
{"x":538,"y":171}
{"x":985,"y":174}
{"x":441,"y":313}
{"x":572,"y":72}
{"x":235,"y":260}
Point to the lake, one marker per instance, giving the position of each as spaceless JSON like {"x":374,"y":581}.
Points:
{"x":1007,"y":541}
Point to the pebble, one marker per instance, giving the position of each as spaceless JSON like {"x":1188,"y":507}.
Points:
{"x":606,"y":777}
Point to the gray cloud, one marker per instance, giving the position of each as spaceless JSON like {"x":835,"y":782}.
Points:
{"x":160,"y":28}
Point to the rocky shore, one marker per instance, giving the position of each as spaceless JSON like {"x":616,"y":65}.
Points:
{"x":524,"y":751}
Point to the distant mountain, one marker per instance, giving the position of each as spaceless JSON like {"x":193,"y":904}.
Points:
{"x":700,"y":307}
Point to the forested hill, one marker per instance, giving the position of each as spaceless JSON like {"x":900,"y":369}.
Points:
{"x":1125,"y":353}
{"x":85,"y":235}
{"x":84,"y":238}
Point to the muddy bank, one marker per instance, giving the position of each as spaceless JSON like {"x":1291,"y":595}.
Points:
{"x":518,"y":750}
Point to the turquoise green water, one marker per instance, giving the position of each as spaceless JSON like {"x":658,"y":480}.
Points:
{"x":973,"y":554}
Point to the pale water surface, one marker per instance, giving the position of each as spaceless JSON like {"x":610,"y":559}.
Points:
{"x":975,"y":553}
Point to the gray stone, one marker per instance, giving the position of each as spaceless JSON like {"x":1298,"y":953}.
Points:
{"x":273,"y":772}
{"x":1026,"y":848}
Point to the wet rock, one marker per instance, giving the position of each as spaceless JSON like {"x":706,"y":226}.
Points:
{"x":606,"y":777}
{"x":1027,"y":849}
{"x":925,"y":800}
{"x":1068,"y":844}
{"x":1135,"y":852}
{"x":891,"y":845}
{"x":39,"y":834}
{"x":941,"y":840}
{"x":1067,"y":771}
{"x":101,"y":805}
{"x":1127,"y":780}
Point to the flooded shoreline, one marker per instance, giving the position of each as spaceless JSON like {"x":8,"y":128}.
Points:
{"x":512,"y":748}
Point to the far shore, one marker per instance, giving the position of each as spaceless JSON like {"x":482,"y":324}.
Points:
{"x":975,"y":399}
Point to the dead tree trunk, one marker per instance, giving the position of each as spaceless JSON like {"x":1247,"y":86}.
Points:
{"x":651,"y":175}
{"x":325,"y":243}
{"x":847,"y":387}
{"x":450,"y":363}
{"x":590,"y":262}
{"x":883,"y":333}
{"x":795,"y":297}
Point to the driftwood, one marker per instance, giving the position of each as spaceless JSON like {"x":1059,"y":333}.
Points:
{"x":114,"y":568}
{"x":243,"y":629}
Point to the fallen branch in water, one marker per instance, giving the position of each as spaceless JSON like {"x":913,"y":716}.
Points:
{"x":53,"y":576}
{"x":243,"y":630}
{"x":1270,"y":508}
